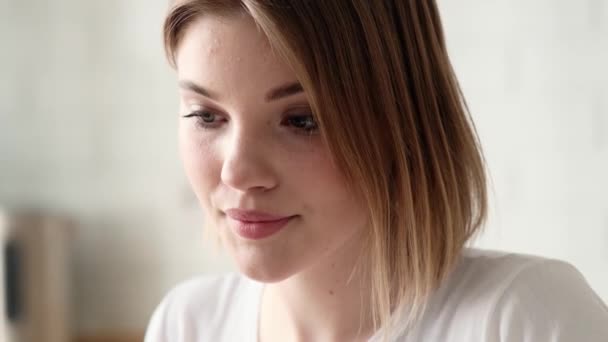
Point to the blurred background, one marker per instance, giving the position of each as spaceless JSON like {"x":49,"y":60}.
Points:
{"x":98,"y":220}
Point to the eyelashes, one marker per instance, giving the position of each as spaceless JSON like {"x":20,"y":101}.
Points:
{"x":300,"y":123}
{"x":303,"y":122}
{"x":204,"y":118}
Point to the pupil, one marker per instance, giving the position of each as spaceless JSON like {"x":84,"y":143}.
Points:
{"x":303,"y":122}
{"x":207,"y":117}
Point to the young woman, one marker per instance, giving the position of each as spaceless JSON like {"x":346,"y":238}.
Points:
{"x":330,"y":148}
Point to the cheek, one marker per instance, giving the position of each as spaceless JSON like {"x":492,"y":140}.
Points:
{"x":332,"y":214}
{"x":319,"y":175}
{"x":200,"y":163}
{"x":324,"y":188}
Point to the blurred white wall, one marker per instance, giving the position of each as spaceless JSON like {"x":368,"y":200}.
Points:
{"x":88,"y":112}
{"x":535,"y":74}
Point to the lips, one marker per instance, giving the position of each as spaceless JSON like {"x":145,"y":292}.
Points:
{"x":256,"y":225}
{"x":253,"y":216}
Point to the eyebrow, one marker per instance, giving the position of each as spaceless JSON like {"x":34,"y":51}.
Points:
{"x":285,"y":90}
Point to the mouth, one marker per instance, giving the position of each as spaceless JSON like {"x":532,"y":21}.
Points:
{"x":254,"y":216}
{"x":257,"y":230}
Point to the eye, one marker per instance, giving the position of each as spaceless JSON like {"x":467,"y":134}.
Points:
{"x":204,"y":118}
{"x":305,"y":123}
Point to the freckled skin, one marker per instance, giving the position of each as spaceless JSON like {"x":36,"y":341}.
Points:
{"x":254,"y":161}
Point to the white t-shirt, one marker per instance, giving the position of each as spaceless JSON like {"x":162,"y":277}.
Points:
{"x":490,"y":296}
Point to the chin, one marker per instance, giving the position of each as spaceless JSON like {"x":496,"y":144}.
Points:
{"x":265,"y":270}
{"x":258,"y":264}
{"x":262,"y":262}
{"x":263,"y":276}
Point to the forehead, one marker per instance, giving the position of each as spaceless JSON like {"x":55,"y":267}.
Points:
{"x":230,"y":54}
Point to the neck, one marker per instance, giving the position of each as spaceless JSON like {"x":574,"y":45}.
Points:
{"x":326,"y":302}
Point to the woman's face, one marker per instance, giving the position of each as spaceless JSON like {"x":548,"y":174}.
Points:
{"x":249,"y":142}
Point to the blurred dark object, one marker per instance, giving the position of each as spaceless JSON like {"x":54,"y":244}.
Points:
{"x":12,"y":267}
{"x":36,"y":278}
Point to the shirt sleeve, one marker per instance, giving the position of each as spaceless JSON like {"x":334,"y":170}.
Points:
{"x":189,"y":312}
{"x":157,"y":327}
{"x":549,"y":301}
{"x":170,"y":321}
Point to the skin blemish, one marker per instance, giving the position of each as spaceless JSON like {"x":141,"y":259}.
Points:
{"x":213,"y":47}
{"x":212,"y":50}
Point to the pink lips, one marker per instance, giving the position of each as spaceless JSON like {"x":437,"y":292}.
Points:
{"x":256,"y":225}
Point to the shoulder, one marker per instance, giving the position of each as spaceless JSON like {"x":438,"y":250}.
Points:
{"x":519,"y":297}
{"x":508,"y":297}
{"x":549,"y":300}
{"x":199,"y":308}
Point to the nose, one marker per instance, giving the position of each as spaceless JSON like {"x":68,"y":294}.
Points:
{"x":247,"y":163}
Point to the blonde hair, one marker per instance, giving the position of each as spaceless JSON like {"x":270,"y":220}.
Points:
{"x":390,"y":109}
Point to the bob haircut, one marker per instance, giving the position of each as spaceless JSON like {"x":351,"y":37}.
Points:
{"x":394,"y":119}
